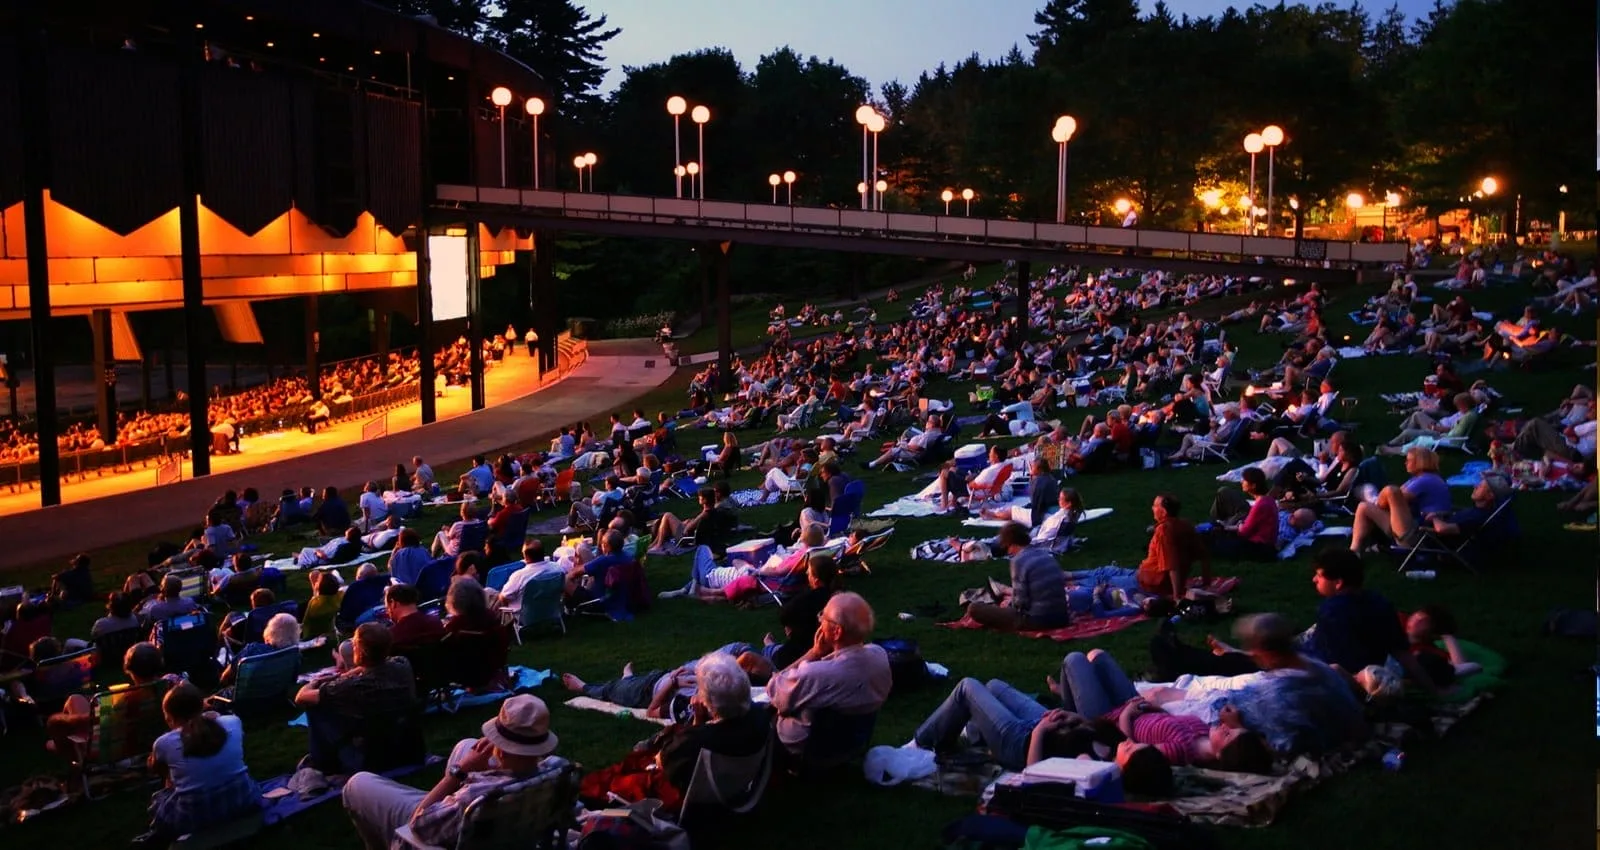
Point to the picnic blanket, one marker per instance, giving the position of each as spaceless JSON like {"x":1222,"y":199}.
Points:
{"x":1094,"y":626}
{"x":287,"y":565}
{"x":280,"y":807}
{"x":1471,"y":473}
{"x":1246,"y":799}
{"x":611,"y":708}
{"x":975,"y":522}
{"x":910,"y":506}
{"x":1309,"y":536}
{"x":525,"y":679}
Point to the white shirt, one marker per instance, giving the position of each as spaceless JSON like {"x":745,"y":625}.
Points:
{"x":374,"y":506}
{"x":512,"y":591}
{"x":1586,"y":439}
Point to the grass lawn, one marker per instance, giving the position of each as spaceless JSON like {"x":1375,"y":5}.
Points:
{"x":749,"y":320}
{"x":1494,"y":775}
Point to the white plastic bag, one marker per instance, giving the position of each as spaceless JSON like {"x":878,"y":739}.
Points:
{"x":894,"y":765}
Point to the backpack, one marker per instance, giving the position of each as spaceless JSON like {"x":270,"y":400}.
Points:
{"x":906,"y":665}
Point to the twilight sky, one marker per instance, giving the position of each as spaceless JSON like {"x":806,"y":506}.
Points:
{"x":889,"y":39}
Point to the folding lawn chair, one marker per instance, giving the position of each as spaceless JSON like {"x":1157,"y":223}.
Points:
{"x":262,"y":683}
{"x":853,"y":559}
{"x":534,"y":812}
{"x":1461,"y":549}
{"x":978,"y":495}
{"x":497,"y":577}
{"x":125,"y":723}
{"x":724,"y":785}
{"x":541,"y":603}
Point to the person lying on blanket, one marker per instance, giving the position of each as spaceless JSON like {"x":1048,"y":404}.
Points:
{"x":1069,"y":511}
{"x":1299,"y":703}
{"x":666,"y":693}
{"x":1431,"y":632}
{"x":706,"y":574}
{"x":1095,"y":686}
{"x":339,"y":550}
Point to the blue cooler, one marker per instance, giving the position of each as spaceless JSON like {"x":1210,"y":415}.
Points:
{"x":972,"y":457}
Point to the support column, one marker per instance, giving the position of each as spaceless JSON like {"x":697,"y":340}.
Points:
{"x":425,"y":373}
{"x":1023,"y":288}
{"x":719,"y":255}
{"x":313,"y":347}
{"x":191,"y":144}
{"x":546,"y":319}
{"x":105,"y":375}
{"x":706,"y":262}
{"x":146,"y":366}
{"x":32,"y":70}
{"x":380,"y":333}
{"x":475,"y":316}
{"x":167,"y":360}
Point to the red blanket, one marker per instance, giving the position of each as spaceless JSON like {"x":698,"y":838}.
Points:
{"x":1089,"y":628}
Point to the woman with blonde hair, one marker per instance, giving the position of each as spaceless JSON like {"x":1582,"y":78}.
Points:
{"x":1398,"y":510}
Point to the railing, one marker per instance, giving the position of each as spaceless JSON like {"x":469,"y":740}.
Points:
{"x":677,"y":211}
{"x":570,"y":354}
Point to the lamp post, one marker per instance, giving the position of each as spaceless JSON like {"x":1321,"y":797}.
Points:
{"x":501,"y":97}
{"x":788,"y":186}
{"x":1561,"y":221}
{"x":678,"y":171}
{"x":535,"y":107}
{"x":1061,"y":133}
{"x":864,"y":115}
{"x":1272,"y":136}
{"x":701,"y":115}
{"x":861,"y":189}
{"x":579,"y":162}
{"x":947,"y":196}
{"x":875,"y":125}
{"x":693,"y":169}
{"x":676,"y":106}
{"x":967,"y":195}
{"x":1390,"y":199}
{"x":1123,"y":206}
{"x":1247,"y":204}
{"x":773,"y":180}
{"x":1486,"y":189}
{"x":1354,"y":202}
{"x":879,"y":188}
{"x":1252,"y":146}
{"x":590,"y":159}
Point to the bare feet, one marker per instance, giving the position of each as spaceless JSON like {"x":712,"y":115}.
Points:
{"x":1051,"y":683}
{"x":1217,"y":646}
{"x":766,"y":640}
{"x":572,"y":683}
{"x":627,"y":670}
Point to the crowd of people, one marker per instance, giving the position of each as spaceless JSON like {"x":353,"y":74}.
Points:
{"x":284,"y":401}
{"x":1175,"y":396}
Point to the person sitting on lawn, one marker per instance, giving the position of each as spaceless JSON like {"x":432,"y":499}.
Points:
{"x":201,"y":763}
{"x":800,"y":614}
{"x":170,"y":602}
{"x":588,"y":513}
{"x":280,"y":632}
{"x":1194,"y":446}
{"x":517,"y":746}
{"x":842,"y":675}
{"x":669,"y":529}
{"x":75,"y":584}
{"x":1398,"y":509}
{"x":587,"y":581}
{"x":338,"y":706}
{"x":1038,"y":598}
{"x":1422,"y":431}
{"x":67,"y":732}
{"x":1255,"y":537}
{"x":910,"y":448}
{"x":1487,"y":495}
{"x":1174,"y":549}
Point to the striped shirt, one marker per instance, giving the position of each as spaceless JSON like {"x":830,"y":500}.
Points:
{"x":1173,"y":735}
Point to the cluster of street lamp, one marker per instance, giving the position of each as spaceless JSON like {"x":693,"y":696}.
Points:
{"x":1268,"y":138}
{"x":501,"y":97}
{"x":676,"y":107}
{"x":786,"y":179}
{"x":870,"y":187}
{"x":965,"y":195}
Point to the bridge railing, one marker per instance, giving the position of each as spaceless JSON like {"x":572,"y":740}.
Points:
{"x":918,"y":226}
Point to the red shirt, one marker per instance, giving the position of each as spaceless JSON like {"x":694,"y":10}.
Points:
{"x":1122,"y":435}
{"x":1261,"y":523}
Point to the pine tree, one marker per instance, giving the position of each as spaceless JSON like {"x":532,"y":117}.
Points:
{"x":560,"y":41}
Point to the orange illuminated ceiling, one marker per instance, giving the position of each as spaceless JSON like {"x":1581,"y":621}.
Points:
{"x":92,"y":267}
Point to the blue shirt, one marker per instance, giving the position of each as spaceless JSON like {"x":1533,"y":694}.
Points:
{"x":1430,"y":494}
{"x":599,"y":567}
{"x":196,"y":775}
{"x":1310,"y":711}
{"x":407,"y":562}
{"x":1357,"y":629}
{"x":482,"y":478}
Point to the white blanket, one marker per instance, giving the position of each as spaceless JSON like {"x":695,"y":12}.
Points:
{"x":611,"y":708}
{"x":1092,"y":513}
{"x":287,"y":565}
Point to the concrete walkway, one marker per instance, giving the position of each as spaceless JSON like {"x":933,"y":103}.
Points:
{"x":128,"y":506}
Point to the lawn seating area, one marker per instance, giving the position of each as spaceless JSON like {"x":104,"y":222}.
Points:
{"x":1508,"y":770}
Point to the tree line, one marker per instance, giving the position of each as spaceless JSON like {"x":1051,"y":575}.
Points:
{"x":1369,"y":103}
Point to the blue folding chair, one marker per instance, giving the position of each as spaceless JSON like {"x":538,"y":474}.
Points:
{"x":846,"y":507}
{"x":497,"y":577}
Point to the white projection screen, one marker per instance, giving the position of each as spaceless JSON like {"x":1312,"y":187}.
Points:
{"x":447,"y":276}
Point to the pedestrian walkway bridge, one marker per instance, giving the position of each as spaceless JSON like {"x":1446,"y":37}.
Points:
{"x":944,"y":236}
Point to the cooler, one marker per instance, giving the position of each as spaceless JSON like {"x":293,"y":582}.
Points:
{"x":970,"y":458}
{"x":1091,"y":780}
{"x":753,"y":551}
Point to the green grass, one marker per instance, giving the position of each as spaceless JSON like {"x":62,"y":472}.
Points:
{"x":1517,"y":770}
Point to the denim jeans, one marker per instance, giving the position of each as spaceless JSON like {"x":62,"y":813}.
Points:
{"x":1002,"y":716}
{"x":1092,"y":688}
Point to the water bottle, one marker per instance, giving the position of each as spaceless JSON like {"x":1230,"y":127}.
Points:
{"x":1393,"y":760}
{"x":1421,"y":575}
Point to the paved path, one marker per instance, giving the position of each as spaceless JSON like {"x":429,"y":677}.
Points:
{"x":112,"y":510}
